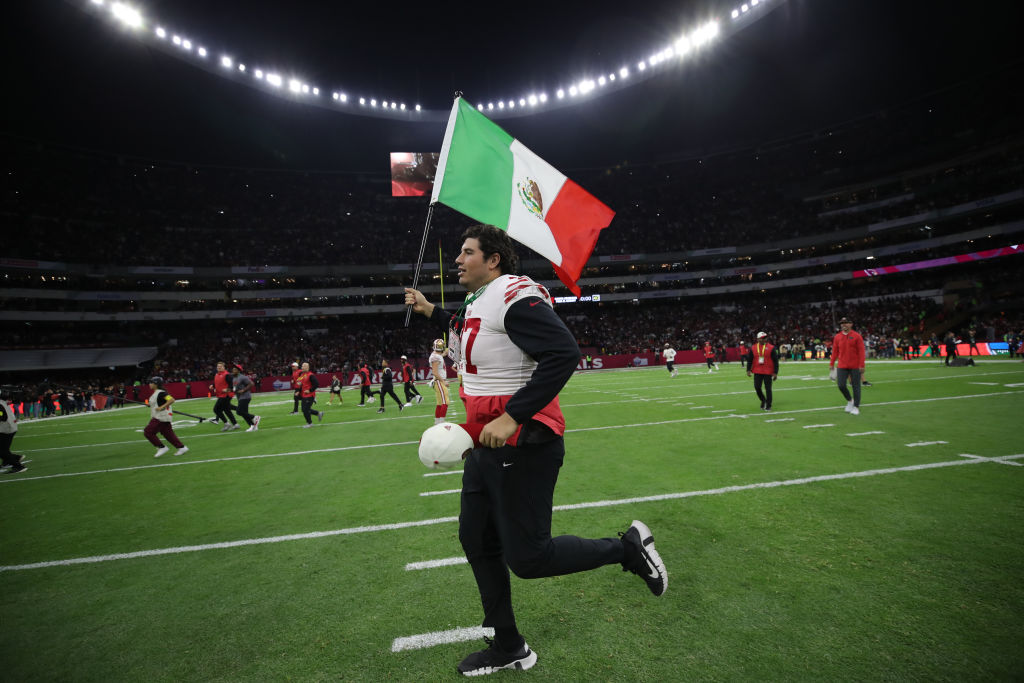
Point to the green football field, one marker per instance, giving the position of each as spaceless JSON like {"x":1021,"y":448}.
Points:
{"x":801,"y":544}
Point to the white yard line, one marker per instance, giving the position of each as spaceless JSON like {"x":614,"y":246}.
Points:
{"x":558,"y":508}
{"x":924,"y":443}
{"x":817,"y":426}
{"x":864,"y":433}
{"x":441,"y":493}
{"x":455,"y":635}
{"x":431,"y":564}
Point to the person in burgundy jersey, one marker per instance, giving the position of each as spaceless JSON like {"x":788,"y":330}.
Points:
{"x":160,"y":419}
{"x":847,"y":363}
{"x":222,"y":390}
{"x":763,"y":364}
{"x":409,"y":377}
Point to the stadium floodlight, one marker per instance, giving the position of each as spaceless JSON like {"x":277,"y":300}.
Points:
{"x":641,"y":65}
{"x":225,"y":62}
{"x":201,"y":51}
{"x":176,"y":40}
{"x":241,"y":67}
{"x":316,"y":91}
{"x":543,"y":97}
{"x":611,"y":77}
{"x":755,"y":3}
{"x":624,"y":72}
{"x":362,"y":100}
{"x":532,"y":99}
{"x":305,"y":89}
{"x":511,"y":104}
{"x":522,"y":101}
{"x":501,"y":105}
{"x":343,"y":97}
{"x":294,"y":85}
{"x":258,"y":74}
{"x":334,"y":96}
{"x":480,"y":107}
{"x":683,"y":46}
{"x":417,"y":107}
{"x":490,"y":105}
{"x":373,"y":102}
{"x":560,"y":94}
{"x":384,"y":104}
{"x":744,"y":8}
{"x":186,"y":44}
{"x":275,"y":80}
{"x":393,"y":104}
{"x":735,"y":13}
{"x":601,"y":80}
{"x":128,"y":16}
{"x":97,"y":2}
{"x":402,"y":106}
{"x":160,"y":33}
{"x":572,"y":91}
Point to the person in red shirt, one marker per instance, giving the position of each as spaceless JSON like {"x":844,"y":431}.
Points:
{"x":307,"y":384}
{"x":295,"y":375}
{"x":709,"y":356}
{"x":744,"y":355}
{"x":409,"y":377}
{"x":364,"y":385}
{"x":847,"y":363}
{"x":222,"y":390}
{"x":763,"y":364}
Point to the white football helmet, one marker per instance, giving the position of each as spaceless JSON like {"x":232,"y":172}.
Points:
{"x":439,"y":345}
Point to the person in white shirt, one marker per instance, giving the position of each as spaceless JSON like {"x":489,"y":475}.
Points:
{"x":515,"y":355}
{"x":670,"y":357}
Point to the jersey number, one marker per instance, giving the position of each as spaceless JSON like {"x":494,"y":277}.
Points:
{"x":471,"y":329}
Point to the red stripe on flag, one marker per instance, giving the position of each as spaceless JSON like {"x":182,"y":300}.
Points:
{"x":576,"y":217}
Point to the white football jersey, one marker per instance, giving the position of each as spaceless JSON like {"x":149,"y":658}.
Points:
{"x":491,"y":364}
{"x":435,"y":357}
{"x":669,"y":354}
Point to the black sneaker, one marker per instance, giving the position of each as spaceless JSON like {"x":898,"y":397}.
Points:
{"x":15,"y":469}
{"x":866,"y":383}
{"x":642,"y":559}
{"x":380,"y":410}
{"x":493,"y":658}
{"x":762,"y":405}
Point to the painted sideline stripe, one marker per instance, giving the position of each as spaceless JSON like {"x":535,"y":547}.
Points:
{"x":925,"y":443}
{"x":455,"y":635}
{"x":816,"y":426}
{"x":441,"y":493}
{"x":442,"y":520}
{"x":864,"y":433}
{"x":782,"y":419}
{"x":442,"y":474}
{"x":430,"y":564}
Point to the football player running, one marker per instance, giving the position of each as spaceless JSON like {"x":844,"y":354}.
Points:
{"x":516,"y":354}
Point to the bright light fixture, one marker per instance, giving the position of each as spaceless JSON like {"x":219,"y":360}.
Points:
{"x":201,"y":51}
{"x":160,"y":33}
{"x":225,"y":61}
{"x":275,"y":80}
{"x":128,"y":16}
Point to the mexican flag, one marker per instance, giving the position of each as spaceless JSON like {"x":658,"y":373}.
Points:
{"x":486,"y":174}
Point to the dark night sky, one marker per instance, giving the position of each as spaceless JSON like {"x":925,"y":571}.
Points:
{"x":809,"y":63}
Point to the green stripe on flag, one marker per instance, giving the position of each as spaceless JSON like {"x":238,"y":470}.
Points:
{"x":478,"y":175}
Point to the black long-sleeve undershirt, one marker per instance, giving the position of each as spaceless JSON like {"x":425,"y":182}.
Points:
{"x":541,"y":334}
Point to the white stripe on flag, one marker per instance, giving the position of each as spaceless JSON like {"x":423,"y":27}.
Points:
{"x":533,"y":180}
{"x":442,"y":161}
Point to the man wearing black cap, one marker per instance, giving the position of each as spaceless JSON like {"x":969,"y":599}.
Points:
{"x":243,"y":394}
{"x":160,"y":419}
{"x":763,"y":364}
{"x":847,"y":363}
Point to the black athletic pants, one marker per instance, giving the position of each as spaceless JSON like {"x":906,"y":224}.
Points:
{"x":243,"y":410}
{"x":389,"y":390}
{"x":307,"y":409}
{"x":364,"y":393}
{"x":764,"y":381}
{"x":505,"y":523}
{"x":410,"y":391}
{"x":223,"y":410}
{"x":6,"y":455}
{"x":853,"y":374}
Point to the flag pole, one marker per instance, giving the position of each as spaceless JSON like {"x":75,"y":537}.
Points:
{"x":419,"y":260}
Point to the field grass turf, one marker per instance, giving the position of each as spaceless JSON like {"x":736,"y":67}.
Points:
{"x":783,"y":565}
